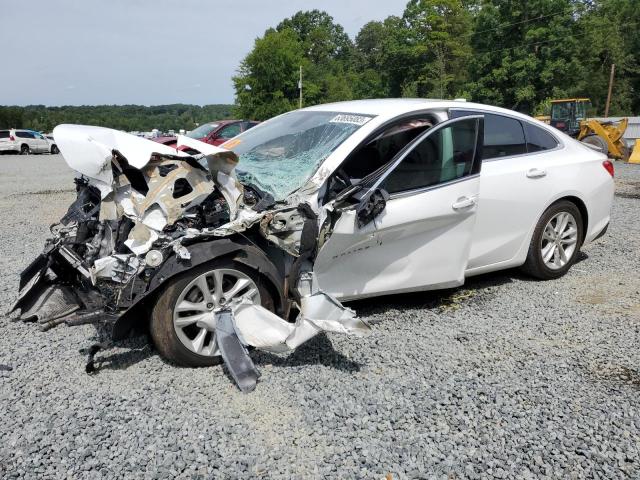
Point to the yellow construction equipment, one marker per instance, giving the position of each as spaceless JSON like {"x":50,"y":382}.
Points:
{"x":570,"y":115}
{"x":635,"y":156}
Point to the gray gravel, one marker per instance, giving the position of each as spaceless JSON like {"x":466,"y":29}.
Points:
{"x":504,"y":378}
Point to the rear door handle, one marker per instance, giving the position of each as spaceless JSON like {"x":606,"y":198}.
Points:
{"x":464,"y":202}
{"x":536,"y":173}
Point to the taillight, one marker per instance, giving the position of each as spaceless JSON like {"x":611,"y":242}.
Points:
{"x":561,"y":125}
{"x":12,"y":138}
{"x":608,"y":166}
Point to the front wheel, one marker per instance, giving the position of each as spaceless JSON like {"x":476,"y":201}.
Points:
{"x":54,"y":150}
{"x":556,"y":241}
{"x":183,"y":320}
{"x":25,"y":150}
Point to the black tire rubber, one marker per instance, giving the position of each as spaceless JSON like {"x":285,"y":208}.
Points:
{"x":161,"y":327}
{"x":534,"y":265}
{"x":54,"y":150}
{"x":598,"y":142}
{"x":24,"y":149}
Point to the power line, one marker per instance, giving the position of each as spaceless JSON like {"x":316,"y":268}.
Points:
{"x":520,"y":22}
{"x":553,"y":39}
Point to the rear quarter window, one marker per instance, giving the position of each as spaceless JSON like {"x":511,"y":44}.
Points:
{"x":538,"y":139}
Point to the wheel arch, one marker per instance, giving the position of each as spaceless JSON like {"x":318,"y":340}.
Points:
{"x":570,"y":196}
{"x":583,"y":212}
{"x":203,"y":252}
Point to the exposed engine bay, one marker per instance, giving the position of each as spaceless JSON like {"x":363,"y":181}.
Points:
{"x":146,"y":214}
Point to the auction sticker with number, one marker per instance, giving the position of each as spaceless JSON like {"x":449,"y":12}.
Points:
{"x":353,"y":119}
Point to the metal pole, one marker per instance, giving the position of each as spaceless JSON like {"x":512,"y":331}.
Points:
{"x":606,"y":108}
{"x":300,"y":87}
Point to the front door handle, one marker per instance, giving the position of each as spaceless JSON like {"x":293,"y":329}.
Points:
{"x":536,"y":173}
{"x":464,"y":202}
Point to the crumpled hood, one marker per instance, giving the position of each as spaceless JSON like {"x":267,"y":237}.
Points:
{"x":88,"y":149}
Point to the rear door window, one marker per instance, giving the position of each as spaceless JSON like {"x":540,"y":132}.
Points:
{"x":538,"y":139}
{"x":4,"y":133}
{"x":503,"y":137}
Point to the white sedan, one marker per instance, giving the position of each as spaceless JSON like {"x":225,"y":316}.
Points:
{"x":339,"y":201}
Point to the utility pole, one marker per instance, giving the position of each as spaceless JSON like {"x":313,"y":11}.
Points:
{"x":300,"y":87}
{"x":606,"y":108}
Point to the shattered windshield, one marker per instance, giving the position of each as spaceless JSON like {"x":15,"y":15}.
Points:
{"x":203,"y":130}
{"x":279,"y":156}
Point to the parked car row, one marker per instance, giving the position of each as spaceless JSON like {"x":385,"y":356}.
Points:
{"x":213,"y":133}
{"x":16,"y":140}
{"x":25,"y":142}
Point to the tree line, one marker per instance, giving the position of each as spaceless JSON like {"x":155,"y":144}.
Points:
{"x":120,"y":117}
{"x":518,"y":54}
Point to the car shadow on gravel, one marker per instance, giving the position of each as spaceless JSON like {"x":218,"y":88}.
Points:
{"x":138,"y":349}
{"x":317,"y":351}
{"x":472,"y":289}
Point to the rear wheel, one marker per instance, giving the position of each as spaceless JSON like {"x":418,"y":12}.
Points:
{"x":54,"y":150}
{"x":556,"y":241}
{"x":598,"y":142}
{"x":25,"y":150}
{"x":183,"y":319}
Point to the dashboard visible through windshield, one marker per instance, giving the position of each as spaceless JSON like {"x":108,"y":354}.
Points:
{"x":280,"y":155}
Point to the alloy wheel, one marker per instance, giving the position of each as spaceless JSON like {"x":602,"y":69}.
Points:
{"x":559,"y":240}
{"x":194,"y":312}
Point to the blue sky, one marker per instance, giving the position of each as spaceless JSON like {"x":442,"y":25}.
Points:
{"x":87,"y":52}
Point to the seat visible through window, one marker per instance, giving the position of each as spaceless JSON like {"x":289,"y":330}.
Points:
{"x":443,"y":156}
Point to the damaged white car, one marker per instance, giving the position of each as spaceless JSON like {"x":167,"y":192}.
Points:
{"x":254,"y":244}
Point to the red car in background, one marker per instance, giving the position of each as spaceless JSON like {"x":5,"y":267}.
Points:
{"x":214,"y":133}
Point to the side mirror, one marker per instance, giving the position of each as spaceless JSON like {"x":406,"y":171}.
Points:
{"x":371,"y":206}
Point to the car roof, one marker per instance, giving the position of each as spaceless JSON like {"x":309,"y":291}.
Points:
{"x":221,"y":122}
{"x":397,"y":106}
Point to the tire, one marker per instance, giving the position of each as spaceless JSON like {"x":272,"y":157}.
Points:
{"x":171,"y":340}
{"x":54,"y":150}
{"x":25,"y":150}
{"x":598,"y":142}
{"x":626,"y":153}
{"x":541,"y":244}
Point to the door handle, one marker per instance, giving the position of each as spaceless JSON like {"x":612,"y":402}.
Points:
{"x":464,"y":202}
{"x":536,"y":173}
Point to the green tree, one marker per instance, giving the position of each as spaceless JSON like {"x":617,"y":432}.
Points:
{"x":524,"y":52}
{"x":267,"y":80}
{"x":610,"y":34}
{"x":437,"y":46}
{"x":266,"y":84}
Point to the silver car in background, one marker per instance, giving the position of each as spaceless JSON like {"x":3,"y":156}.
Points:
{"x":22,"y":141}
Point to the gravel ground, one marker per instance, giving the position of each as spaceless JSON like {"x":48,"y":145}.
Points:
{"x":505,"y":377}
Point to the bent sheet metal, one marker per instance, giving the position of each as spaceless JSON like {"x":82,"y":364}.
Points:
{"x":146,"y":213}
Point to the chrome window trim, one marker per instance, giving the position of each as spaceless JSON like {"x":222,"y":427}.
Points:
{"x":417,"y":191}
{"x":560,"y":146}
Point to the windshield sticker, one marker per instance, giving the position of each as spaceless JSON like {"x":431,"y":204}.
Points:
{"x":353,"y":119}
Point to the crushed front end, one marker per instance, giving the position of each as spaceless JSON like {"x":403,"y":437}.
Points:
{"x":146,"y":213}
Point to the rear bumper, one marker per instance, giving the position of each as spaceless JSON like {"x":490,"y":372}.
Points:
{"x":9,"y":147}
